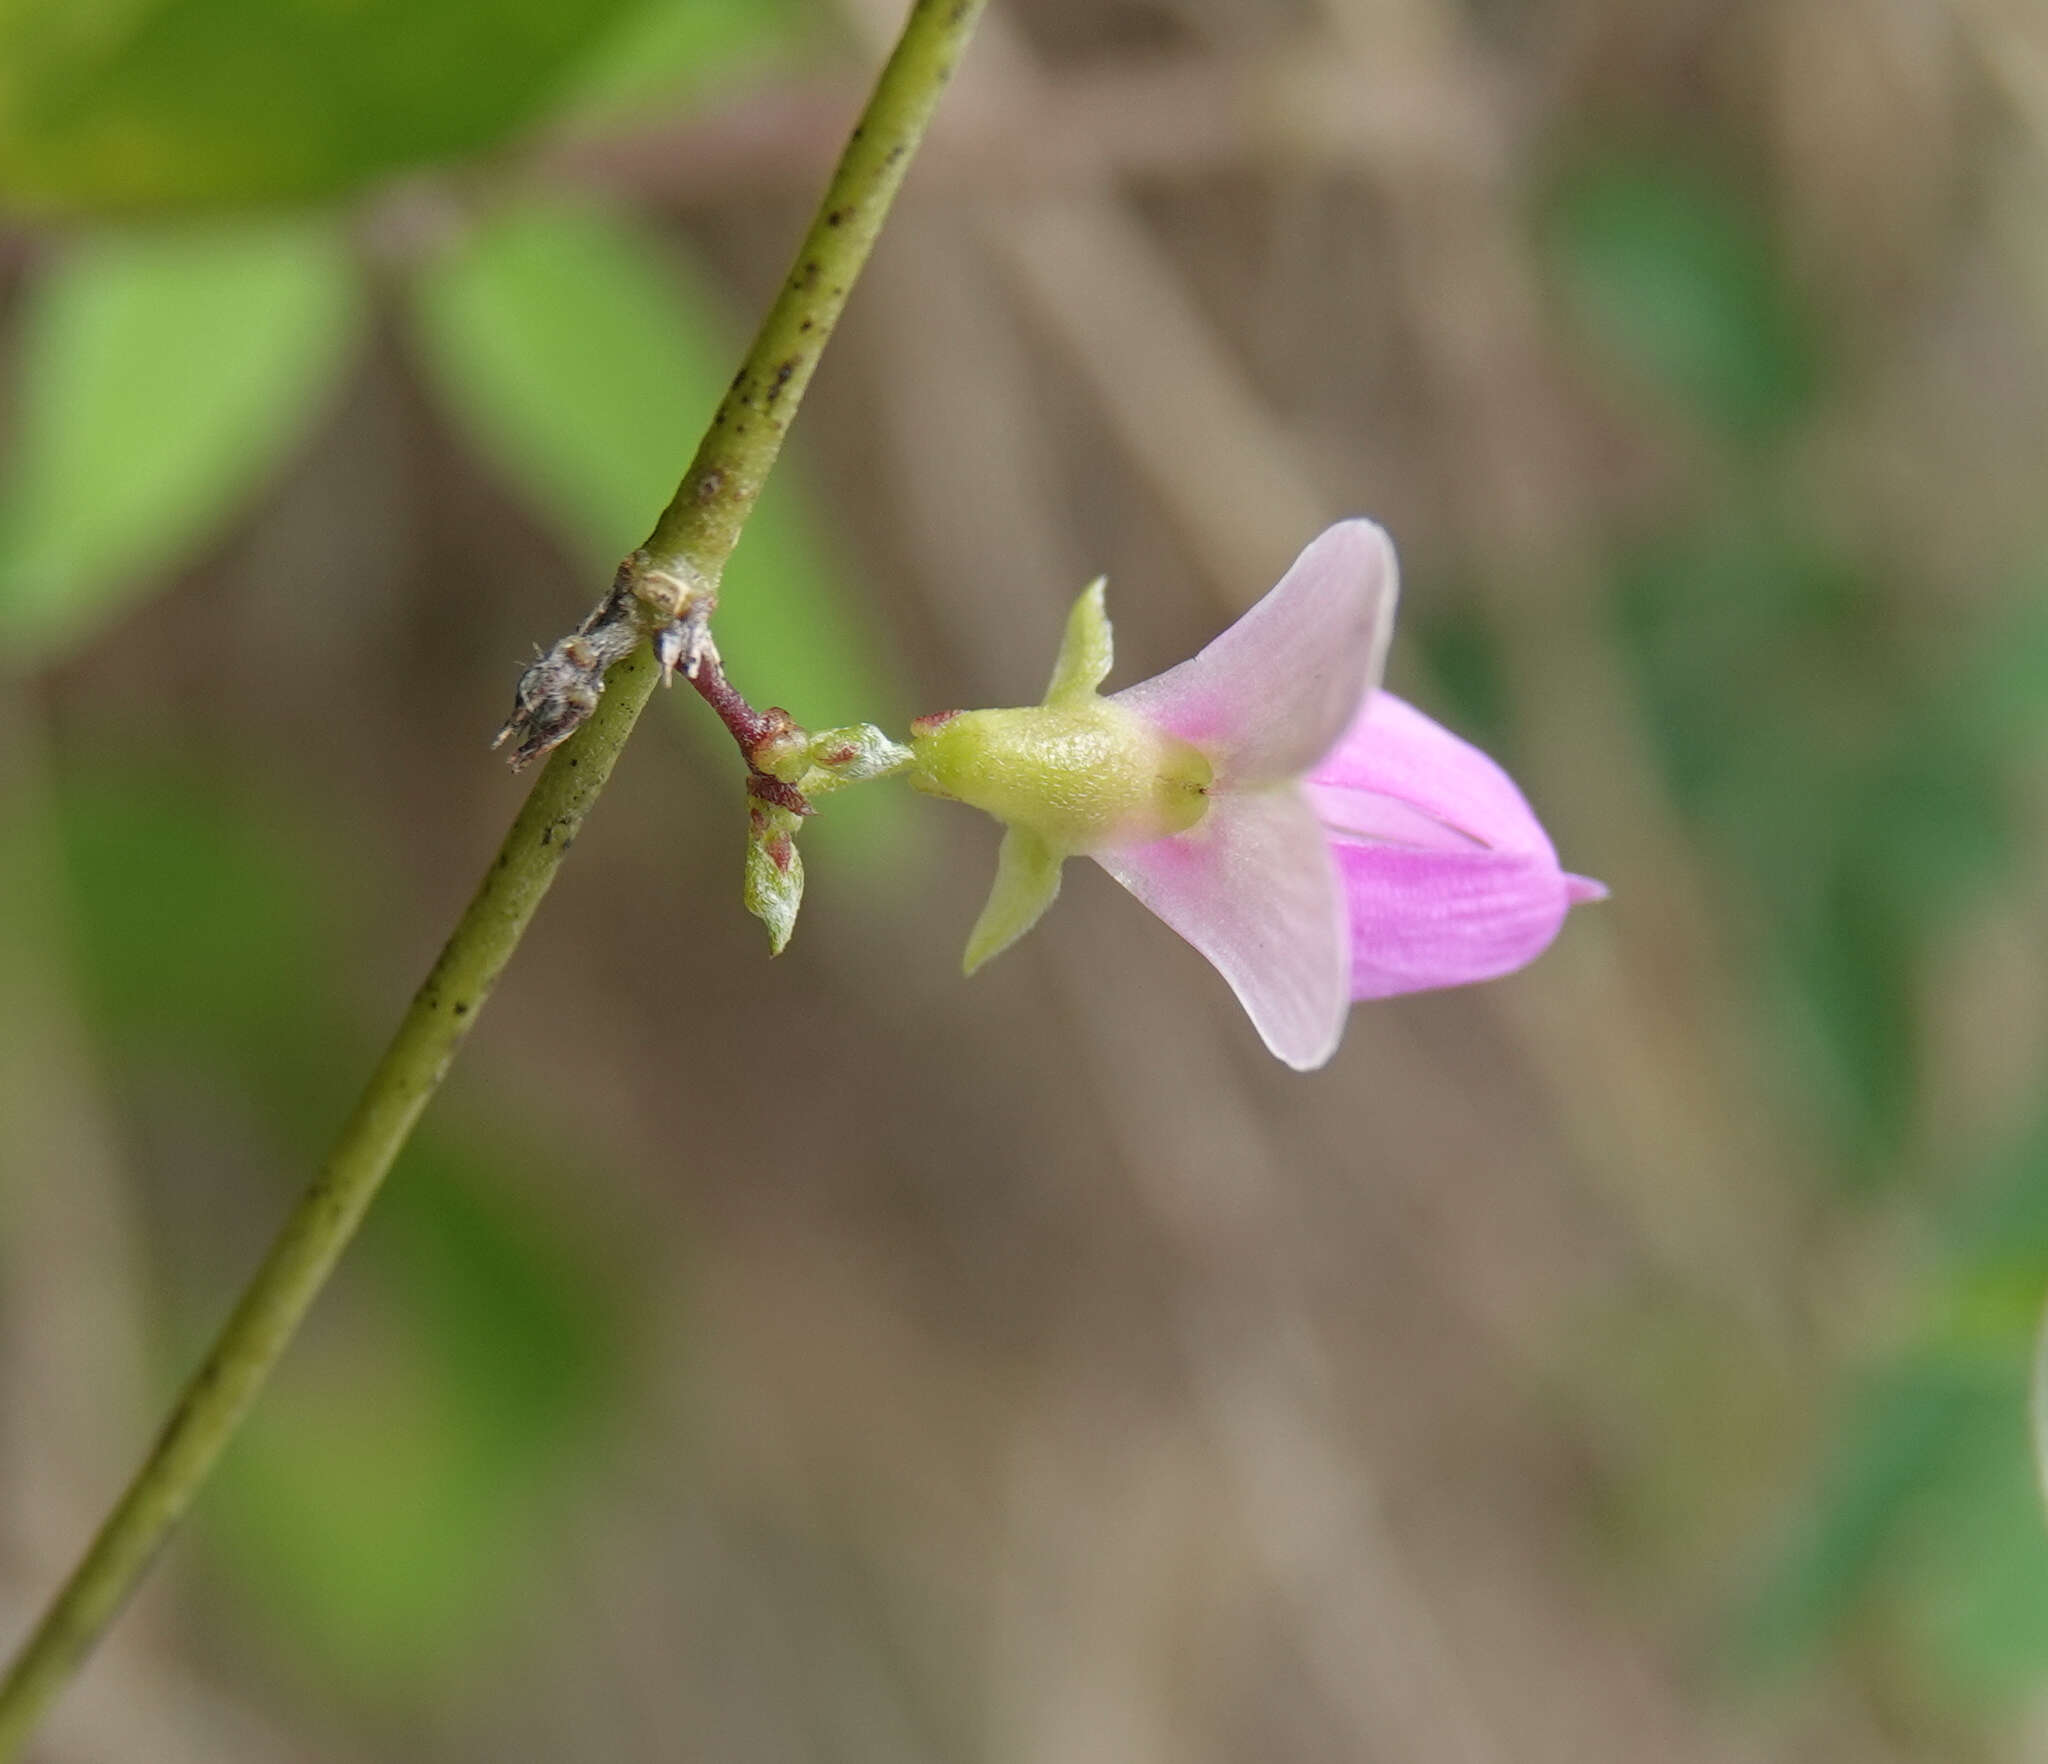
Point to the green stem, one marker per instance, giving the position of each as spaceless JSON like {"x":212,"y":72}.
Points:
{"x":701,"y":525}
{"x":694,"y":537}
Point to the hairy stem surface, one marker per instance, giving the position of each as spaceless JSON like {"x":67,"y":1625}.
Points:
{"x":693,"y":539}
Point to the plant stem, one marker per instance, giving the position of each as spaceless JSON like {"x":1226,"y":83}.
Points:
{"x":693,"y":538}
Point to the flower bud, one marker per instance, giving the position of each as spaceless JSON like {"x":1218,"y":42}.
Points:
{"x":773,"y":888}
{"x":852,"y":755}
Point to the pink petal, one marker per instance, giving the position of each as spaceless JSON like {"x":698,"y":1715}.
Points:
{"x":1395,"y":762}
{"x":1423,"y":919}
{"x":1254,"y":888}
{"x":1272,"y":695}
{"x":1448,"y":875}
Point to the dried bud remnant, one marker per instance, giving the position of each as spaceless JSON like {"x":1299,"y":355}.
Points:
{"x":556,"y":695}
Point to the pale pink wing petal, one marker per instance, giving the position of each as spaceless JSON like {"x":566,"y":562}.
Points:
{"x":1448,"y":875}
{"x":1253,"y":887}
{"x":1272,"y":695}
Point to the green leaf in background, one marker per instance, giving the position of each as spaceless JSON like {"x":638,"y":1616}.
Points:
{"x":392,"y":1498}
{"x":390,"y":1504}
{"x":1462,"y":666}
{"x":1928,"y":1510}
{"x":1973,"y":1578}
{"x":128,"y":104}
{"x":1999,"y":698}
{"x":1773,"y":688}
{"x":1675,"y":272}
{"x":201,"y":923}
{"x":163,"y":375}
{"x":210,"y":911}
{"x":669,"y":52}
{"x":586,"y":361}
{"x":2002,"y":1221}
{"x":1893,"y":1452}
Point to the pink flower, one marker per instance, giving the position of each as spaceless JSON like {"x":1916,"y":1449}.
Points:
{"x":1316,"y":838}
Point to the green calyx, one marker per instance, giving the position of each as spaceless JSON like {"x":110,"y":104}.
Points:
{"x":1075,"y":774}
{"x":1081,"y":777}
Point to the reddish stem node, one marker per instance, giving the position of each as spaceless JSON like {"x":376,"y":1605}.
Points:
{"x":751,"y":730}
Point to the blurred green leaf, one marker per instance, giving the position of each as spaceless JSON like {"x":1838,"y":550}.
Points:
{"x":1774,"y":695}
{"x":1854,"y":811}
{"x":1933,"y":827}
{"x":666,"y":52}
{"x":1894,"y":1450}
{"x":390,"y":1500}
{"x":1995,"y":1240}
{"x":1929,"y":1509}
{"x":1462,"y":667}
{"x":209,"y":934}
{"x":1742,"y":627}
{"x":390,"y":1504}
{"x":198,"y":922}
{"x":1675,"y":272}
{"x":520,"y":1319}
{"x":1974,"y":1581}
{"x":1999,"y":697}
{"x":585,"y":360}
{"x":164,"y":373}
{"x":124,"y":104}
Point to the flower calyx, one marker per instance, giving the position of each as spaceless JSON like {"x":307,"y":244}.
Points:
{"x":1074,"y":774}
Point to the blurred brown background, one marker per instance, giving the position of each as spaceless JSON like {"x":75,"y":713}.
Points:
{"x":833,"y":1360}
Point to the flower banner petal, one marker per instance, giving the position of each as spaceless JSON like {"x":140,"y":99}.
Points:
{"x":1272,"y":695}
{"x":1254,"y":888}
